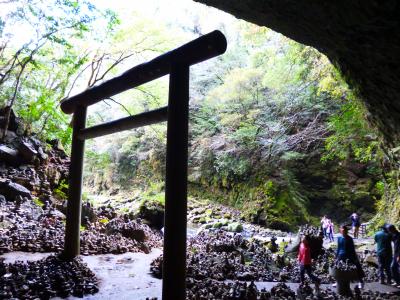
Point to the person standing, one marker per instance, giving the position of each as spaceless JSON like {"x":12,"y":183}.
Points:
{"x":384,"y":252}
{"x":394,"y":267}
{"x":304,"y":259}
{"x":355,"y":224}
{"x":347,"y":252}
{"x":330,"y":230}
{"x":324,"y":226}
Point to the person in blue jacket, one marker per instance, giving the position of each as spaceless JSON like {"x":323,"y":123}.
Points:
{"x":347,"y":252}
{"x":383,"y":242}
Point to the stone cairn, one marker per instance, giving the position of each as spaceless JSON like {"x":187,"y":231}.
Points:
{"x":46,"y":278}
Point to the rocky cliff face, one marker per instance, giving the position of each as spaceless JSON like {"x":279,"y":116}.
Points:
{"x":299,"y":190}
{"x":30,"y":168}
{"x":361,"y":37}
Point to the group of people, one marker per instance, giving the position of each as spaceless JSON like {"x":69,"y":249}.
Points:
{"x":328,"y":229}
{"x":388,"y":257}
{"x":345,"y":252}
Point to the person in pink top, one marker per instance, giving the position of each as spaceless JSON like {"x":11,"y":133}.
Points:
{"x":304,"y":258}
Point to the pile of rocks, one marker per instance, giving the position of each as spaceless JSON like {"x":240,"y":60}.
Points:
{"x":31,"y":214}
{"x":210,"y":289}
{"x":220,"y":256}
{"x":310,"y":231}
{"x":27,"y":227}
{"x":29,"y":167}
{"x":46,"y":278}
{"x":156,"y":267}
{"x":204,"y":213}
{"x":262,"y":232}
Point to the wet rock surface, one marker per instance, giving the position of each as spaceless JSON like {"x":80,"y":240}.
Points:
{"x":46,"y":278}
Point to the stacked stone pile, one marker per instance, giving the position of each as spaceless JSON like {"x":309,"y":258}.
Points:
{"x":33,"y":229}
{"x":220,"y":256}
{"x":46,"y":278}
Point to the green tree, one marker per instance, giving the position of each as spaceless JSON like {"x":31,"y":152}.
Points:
{"x":35,"y":72}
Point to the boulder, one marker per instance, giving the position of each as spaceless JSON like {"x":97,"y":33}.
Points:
{"x":372,"y":260}
{"x":293,"y":247}
{"x":11,"y":190}
{"x":42,"y":155}
{"x":14,"y":122}
{"x":152,"y":212}
{"x":31,"y":209}
{"x":57,"y":214}
{"x":134,"y":234}
{"x":27,"y":151}
{"x":9,"y":155}
{"x":235,"y":227}
{"x":10,"y":136}
{"x":88,"y":213}
{"x":217,"y":225}
{"x":57,"y":145}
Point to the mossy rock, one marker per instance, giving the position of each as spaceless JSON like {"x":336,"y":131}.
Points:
{"x":196,"y":219}
{"x":208,"y":226}
{"x":235,"y":227}
{"x":224,"y":222}
{"x":209,"y":212}
{"x":152,"y":212}
{"x":279,"y":225}
{"x":217,"y":225}
{"x":227,"y":216}
{"x":202,"y":220}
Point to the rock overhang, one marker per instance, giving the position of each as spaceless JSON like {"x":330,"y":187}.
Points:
{"x":362,"y":38}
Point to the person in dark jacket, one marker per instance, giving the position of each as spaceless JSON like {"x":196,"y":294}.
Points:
{"x":346,"y":251}
{"x":355,"y":224}
{"x":394,"y":267}
{"x":384,"y":251}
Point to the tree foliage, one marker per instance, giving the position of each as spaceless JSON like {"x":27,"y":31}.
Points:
{"x":37,"y":67}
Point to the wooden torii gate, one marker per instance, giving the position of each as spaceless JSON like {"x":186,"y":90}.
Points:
{"x":176,"y":63}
